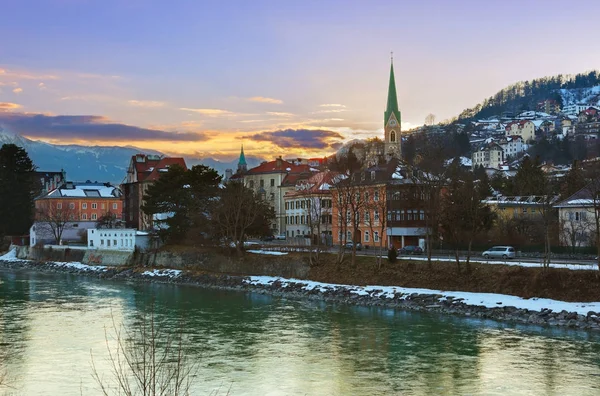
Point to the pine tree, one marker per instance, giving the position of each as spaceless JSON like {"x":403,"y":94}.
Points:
{"x":18,"y":188}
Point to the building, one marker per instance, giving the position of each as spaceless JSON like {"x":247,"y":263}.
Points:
{"x":360,"y":206}
{"x":523,"y":128}
{"x":391,"y":122}
{"x":512,"y":207}
{"x":75,"y":207}
{"x":111,"y":238}
{"x":490,"y":155}
{"x":577,"y":226}
{"x":574,"y":109}
{"x":549,"y":106}
{"x":143,"y":170}
{"x":588,"y":123}
{"x":308,"y":209}
{"x":50,"y":180}
{"x":406,"y":223}
{"x":512,"y":146}
{"x":272,"y":180}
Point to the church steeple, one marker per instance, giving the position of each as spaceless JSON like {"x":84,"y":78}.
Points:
{"x":391,"y":121}
{"x":392,"y":99}
{"x":242,"y":165}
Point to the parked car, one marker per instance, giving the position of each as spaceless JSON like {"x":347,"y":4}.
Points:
{"x":268,"y":238}
{"x":280,"y":237}
{"x":349,"y":245}
{"x":504,"y":252}
{"x":411,"y":249}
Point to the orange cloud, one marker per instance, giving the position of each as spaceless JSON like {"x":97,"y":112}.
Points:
{"x":7,"y":106}
{"x":263,"y":99}
{"x":209,"y":112}
{"x":332,"y":105}
{"x":280,"y":114}
{"x":146,"y":103}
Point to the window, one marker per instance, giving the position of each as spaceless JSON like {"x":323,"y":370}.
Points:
{"x":262,"y":183}
{"x":71,"y":205}
{"x":251,"y":184}
{"x":84,"y":205}
{"x":348,"y":235}
{"x":367,"y":196}
{"x":376,"y":196}
{"x":366,"y":236}
{"x":376,"y":216}
{"x":302,"y":204}
{"x":393,"y":136}
{"x":421,"y":215}
{"x":94,"y":216}
{"x":296,"y":220}
{"x":272,"y":182}
{"x":367,"y":216}
{"x":115,"y":206}
{"x":84,"y":216}
{"x":59,"y":205}
{"x":577,"y":217}
{"x":272,"y":196}
{"x":94,"y":206}
{"x":297,"y":204}
{"x":375,"y":236}
{"x":372,"y":175}
{"x":287,"y":205}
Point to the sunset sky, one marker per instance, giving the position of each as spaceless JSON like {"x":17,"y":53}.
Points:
{"x":281,"y":77}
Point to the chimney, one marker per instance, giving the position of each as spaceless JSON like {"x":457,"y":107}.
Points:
{"x":278,"y":163}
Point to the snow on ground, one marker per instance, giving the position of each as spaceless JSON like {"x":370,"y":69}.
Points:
{"x":79,"y":266}
{"x":171,"y":273}
{"x":10,"y":256}
{"x":273,"y":253}
{"x":488,"y":300}
{"x":507,"y":262}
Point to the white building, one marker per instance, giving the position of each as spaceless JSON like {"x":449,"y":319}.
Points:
{"x":490,"y":155}
{"x":512,"y":146}
{"x":111,"y":238}
{"x":574,"y":109}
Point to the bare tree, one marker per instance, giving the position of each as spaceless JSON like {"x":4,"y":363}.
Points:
{"x":575,"y":232}
{"x":55,"y":217}
{"x":376,"y":217}
{"x":239,"y":212}
{"x":146,"y":360}
{"x":430,"y":119}
{"x":107,"y":220}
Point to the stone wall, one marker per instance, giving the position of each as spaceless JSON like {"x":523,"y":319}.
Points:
{"x":111,"y":258}
{"x":64,"y":254}
{"x":288,"y":266}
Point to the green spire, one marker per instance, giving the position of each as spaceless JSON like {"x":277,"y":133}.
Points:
{"x":242,"y":158}
{"x":392,"y":100}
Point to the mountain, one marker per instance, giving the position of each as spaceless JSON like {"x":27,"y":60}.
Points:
{"x":97,"y":163}
{"x":525,"y":95}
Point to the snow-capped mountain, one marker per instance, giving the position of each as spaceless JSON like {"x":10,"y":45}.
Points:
{"x":96,"y":163}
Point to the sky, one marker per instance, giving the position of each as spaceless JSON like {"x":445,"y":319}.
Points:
{"x":291,"y":78}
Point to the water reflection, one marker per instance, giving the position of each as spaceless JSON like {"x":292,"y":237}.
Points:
{"x":259,"y":344}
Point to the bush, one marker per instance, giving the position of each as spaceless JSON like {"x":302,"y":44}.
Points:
{"x":392,"y":255}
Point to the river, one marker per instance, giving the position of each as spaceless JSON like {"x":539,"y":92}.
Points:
{"x":251,"y":344}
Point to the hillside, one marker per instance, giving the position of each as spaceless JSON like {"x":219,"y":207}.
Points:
{"x":525,"y":95}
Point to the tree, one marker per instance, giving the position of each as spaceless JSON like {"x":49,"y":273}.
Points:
{"x":180,"y":200}
{"x":18,"y":189}
{"x":376,"y":217}
{"x":529,"y":178}
{"x":55,"y":217}
{"x":430,"y":119}
{"x":573,"y":181}
{"x":107,"y":220}
{"x":238,"y":212}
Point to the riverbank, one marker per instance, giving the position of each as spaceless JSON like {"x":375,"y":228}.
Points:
{"x":501,"y":307}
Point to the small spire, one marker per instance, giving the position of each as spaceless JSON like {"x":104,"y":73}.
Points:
{"x":242,"y":165}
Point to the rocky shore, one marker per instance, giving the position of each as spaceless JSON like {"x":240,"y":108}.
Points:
{"x":345,"y":294}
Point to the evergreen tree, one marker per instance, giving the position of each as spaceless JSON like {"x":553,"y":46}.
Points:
{"x":529,"y":177}
{"x":18,"y":188}
{"x":573,"y":181}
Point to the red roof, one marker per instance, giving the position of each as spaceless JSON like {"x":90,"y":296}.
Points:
{"x":150,"y":168}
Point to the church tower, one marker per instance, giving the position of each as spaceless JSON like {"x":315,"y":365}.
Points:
{"x":242,"y":165}
{"x":391,"y":121}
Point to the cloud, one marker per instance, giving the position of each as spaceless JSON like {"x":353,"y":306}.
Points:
{"x":279,"y":114}
{"x":42,"y":86}
{"x":146,"y":103}
{"x":299,"y":138}
{"x":19,"y":75}
{"x":332,"y":105}
{"x":209,"y":112}
{"x":329,"y":111}
{"x":7,"y":106}
{"x":18,"y":90}
{"x":262,"y":99}
{"x":86,"y":127}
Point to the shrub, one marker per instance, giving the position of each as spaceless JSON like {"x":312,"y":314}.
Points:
{"x":392,"y":255}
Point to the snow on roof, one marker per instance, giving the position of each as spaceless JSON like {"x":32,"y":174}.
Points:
{"x":85,"y":190}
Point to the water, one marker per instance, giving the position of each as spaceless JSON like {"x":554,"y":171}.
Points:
{"x":250,"y":344}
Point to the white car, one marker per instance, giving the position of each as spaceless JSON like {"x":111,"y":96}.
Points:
{"x":504,"y":252}
{"x":280,"y":237}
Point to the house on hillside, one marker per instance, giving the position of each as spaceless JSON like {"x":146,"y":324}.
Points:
{"x":489,"y":155}
{"x":523,"y":128}
{"x":143,"y":170}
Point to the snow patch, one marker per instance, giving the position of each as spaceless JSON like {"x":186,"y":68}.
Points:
{"x":11,"y":256}
{"x":488,"y":300}
{"x":170,"y":273}
{"x":267,"y":252}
